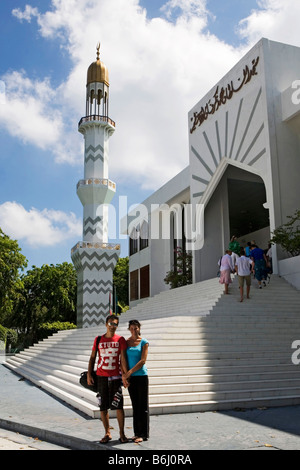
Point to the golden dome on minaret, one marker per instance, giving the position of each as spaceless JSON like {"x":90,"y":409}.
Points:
{"x":97,"y":71}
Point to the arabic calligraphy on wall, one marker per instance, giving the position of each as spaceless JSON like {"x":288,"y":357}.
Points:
{"x":221,"y":96}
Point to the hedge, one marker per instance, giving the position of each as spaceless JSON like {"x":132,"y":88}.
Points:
{"x":48,"y":329}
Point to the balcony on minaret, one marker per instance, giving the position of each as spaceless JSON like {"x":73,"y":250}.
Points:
{"x":95,"y":246}
{"x":96,"y":190}
{"x":97,"y":118}
{"x":101,"y":181}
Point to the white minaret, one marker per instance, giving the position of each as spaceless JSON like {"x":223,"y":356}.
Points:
{"x":94,"y":258}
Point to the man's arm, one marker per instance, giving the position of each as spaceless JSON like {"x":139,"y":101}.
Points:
{"x":90,"y":380}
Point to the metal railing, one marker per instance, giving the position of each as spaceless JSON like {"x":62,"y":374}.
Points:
{"x":96,"y":117}
{"x":95,"y":245}
{"x":99,"y":181}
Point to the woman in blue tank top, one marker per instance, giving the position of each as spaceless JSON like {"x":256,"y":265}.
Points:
{"x":137,"y":375}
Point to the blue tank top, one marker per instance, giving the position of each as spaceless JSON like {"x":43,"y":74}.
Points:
{"x":134,"y":354}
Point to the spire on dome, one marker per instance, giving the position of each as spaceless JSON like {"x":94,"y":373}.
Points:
{"x":97,"y":71}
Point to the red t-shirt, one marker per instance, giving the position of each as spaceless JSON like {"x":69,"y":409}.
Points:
{"x":109,"y":351}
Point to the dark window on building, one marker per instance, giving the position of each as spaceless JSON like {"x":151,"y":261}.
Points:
{"x":134,"y":285}
{"x":133,"y":242}
{"x":144,"y":282}
{"x":144,"y":236}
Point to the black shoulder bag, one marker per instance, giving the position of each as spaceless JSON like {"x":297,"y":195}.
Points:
{"x":83,"y":375}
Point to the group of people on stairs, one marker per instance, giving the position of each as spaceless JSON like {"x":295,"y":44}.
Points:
{"x":244,"y":262}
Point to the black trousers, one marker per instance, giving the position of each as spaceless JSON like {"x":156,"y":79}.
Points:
{"x":138,"y":391}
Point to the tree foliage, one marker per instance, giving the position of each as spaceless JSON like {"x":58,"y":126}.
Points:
{"x":182,"y":273}
{"x":12,"y":262}
{"x":288,"y":235}
{"x":35,"y":303}
{"x":48,"y":329}
{"x":120,"y":280}
{"x":47,"y":294}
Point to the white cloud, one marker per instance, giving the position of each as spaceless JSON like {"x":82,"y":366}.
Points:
{"x":27,"y":14}
{"x":277,"y":20}
{"x":28,"y":113}
{"x":34,"y":114}
{"x":38,"y":228}
{"x":158,"y":68}
{"x":186,"y":9}
{"x":156,"y":75}
{"x":2,"y":92}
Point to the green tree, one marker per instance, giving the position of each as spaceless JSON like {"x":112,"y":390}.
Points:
{"x":288,"y":235}
{"x":48,"y":294}
{"x":120,"y":280}
{"x":7,"y":338}
{"x":12,"y":262}
{"x":182,"y":273}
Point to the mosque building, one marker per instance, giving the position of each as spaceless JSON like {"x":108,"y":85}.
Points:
{"x":242,"y":177}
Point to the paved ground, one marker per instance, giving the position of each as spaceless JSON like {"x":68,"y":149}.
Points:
{"x":28,"y":410}
{"x":10,"y":440}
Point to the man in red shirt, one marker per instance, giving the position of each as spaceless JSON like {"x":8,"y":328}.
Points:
{"x":111,"y":366}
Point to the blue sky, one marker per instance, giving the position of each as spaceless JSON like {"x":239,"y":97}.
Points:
{"x":162,"y":56}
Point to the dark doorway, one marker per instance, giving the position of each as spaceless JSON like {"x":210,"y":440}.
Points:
{"x":246,"y":211}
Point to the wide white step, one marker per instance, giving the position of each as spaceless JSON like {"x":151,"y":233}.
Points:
{"x":207,"y":351}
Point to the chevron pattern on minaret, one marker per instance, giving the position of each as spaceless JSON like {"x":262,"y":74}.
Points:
{"x":90,"y":319}
{"x":93,"y":301}
{"x":91,"y":225}
{"x":89,"y":322}
{"x":95,"y":308}
{"x":97,"y":259}
{"x":90,"y":153}
{"x":94,"y":268}
{"x":95,"y":287}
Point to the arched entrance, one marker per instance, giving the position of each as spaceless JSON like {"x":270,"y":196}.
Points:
{"x":235,"y":207}
{"x":248,"y":219}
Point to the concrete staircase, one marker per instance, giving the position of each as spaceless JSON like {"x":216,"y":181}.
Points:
{"x":207,"y":351}
{"x":195,"y":299}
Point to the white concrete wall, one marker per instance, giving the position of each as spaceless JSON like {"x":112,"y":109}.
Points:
{"x":282,"y":69}
{"x":290,"y":269}
{"x":261,"y":237}
{"x":159,"y":252}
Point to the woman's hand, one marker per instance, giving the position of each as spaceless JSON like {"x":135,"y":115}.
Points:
{"x":125,"y":380}
{"x":127,"y":375}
